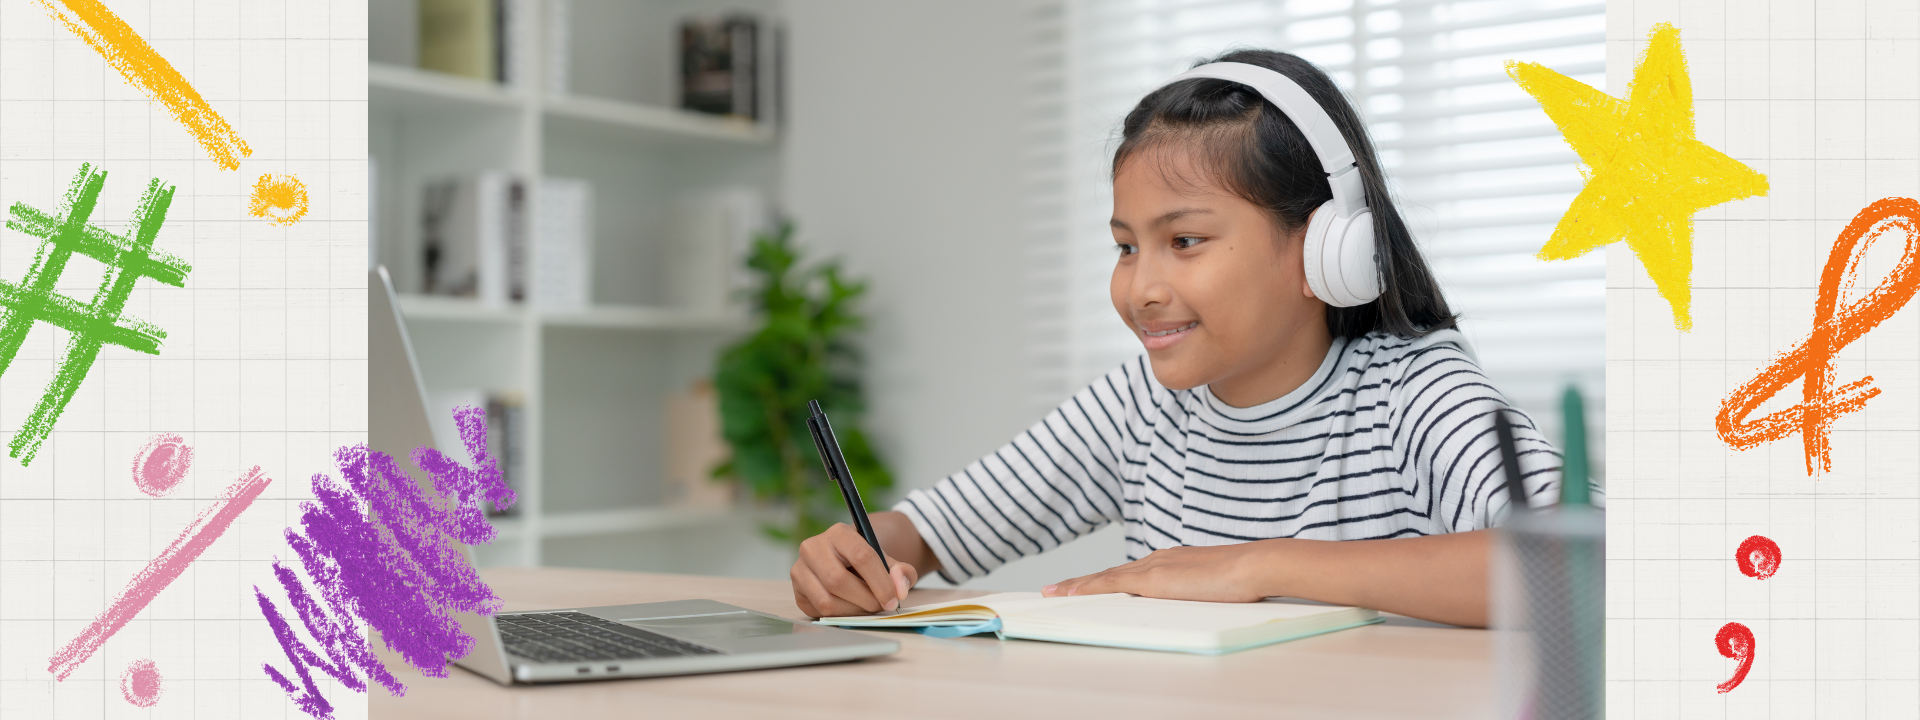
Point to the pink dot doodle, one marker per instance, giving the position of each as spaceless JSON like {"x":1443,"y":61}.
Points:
{"x":161,"y":464}
{"x":140,"y":684}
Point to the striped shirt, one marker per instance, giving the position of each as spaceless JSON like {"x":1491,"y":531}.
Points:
{"x":1391,"y":437}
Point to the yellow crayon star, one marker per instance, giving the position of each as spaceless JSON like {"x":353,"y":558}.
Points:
{"x":1646,"y":173}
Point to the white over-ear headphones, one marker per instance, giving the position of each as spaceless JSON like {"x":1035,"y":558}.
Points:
{"x":1343,"y":267}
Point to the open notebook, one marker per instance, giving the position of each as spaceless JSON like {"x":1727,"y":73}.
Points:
{"x":1121,"y":620}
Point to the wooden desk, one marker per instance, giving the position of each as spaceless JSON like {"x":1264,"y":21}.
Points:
{"x":1398,"y":669}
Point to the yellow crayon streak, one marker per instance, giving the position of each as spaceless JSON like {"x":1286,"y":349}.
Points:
{"x":143,"y":66}
{"x":1646,"y":173}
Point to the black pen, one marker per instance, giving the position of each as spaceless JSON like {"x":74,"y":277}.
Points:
{"x":1510,"y":464}
{"x":836,"y":464}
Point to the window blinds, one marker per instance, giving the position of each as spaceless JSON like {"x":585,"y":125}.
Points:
{"x":1478,"y":170}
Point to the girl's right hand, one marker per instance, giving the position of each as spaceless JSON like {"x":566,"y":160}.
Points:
{"x":838,"y":574}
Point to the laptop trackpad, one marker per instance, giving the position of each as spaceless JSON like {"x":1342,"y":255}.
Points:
{"x":720,"y":627}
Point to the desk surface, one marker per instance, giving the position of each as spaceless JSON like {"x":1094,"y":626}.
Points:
{"x":1398,"y":669}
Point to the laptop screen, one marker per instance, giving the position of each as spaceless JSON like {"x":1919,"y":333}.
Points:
{"x":396,"y":401}
{"x":397,"y":423}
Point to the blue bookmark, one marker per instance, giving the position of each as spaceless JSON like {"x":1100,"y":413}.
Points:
{"x":992,"y":626}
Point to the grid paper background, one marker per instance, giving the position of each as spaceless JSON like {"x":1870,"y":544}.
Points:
{"x":263,"y":364}
{"x":1824,"y":98}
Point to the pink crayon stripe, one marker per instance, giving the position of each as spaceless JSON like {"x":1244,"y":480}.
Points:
{"x":160,"y":573}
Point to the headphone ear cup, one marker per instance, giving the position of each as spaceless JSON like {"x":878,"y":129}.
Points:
{"x":1357,"y":261}
{"x":1342,"y":268}
{"x":1314,"y":251}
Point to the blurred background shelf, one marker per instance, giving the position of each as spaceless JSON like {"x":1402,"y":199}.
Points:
{"x":434,"y":308}
{"x":406,"y":89}
{"x":614,"y":522}
{"x":577,"y":94}
{"x":705,"y":540}
{"x":398,"y":87}
{"x":508,"y":529}
{"x":645,"y":318}
{"x":611,"y":522}
{"x":652,"y":124}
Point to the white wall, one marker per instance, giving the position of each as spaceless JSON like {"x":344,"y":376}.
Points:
{"x":903,"y":156}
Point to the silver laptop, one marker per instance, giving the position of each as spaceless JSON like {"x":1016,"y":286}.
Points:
{"x":590,"y":643}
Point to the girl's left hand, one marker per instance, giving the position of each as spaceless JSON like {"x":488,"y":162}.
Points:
{"x":1222,"y":573}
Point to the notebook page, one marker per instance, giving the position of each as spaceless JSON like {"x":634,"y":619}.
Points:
{"x":997,"y":604}
{"x":1185,"y":616}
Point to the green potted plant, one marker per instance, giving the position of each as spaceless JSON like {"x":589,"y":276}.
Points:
{"x":799,"y":352}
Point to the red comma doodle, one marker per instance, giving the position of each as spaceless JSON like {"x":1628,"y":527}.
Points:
{"x":1735,"y":641}
{"x":1834,"y":328}
{"x":1758,"y":556}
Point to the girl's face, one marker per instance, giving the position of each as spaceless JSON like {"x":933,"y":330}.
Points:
{"x":1211,"y":284}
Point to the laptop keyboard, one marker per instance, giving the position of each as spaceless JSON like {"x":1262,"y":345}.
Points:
{"x":571,"y":637}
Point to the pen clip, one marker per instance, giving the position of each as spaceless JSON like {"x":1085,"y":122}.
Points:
{"x":820,"y":440}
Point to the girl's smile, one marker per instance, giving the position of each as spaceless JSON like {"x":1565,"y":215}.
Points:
{"x":1163,"y":339}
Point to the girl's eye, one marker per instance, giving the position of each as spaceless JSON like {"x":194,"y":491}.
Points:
{"x":1125,"y":249}
{"x":1183,"y":243}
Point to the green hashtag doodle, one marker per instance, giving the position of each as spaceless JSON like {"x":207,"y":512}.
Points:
{"x":127,"y":259}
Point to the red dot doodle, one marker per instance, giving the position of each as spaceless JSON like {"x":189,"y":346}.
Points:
{"x":140,"y":684}
{"x":1735,"y":641}
{"x":1758,"y":556}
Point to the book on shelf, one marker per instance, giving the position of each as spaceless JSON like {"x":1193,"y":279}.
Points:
{"x":563,"y":247}
{"x":507,"y":441}
{"x":469,"y":38}
{"x":506,"y":433}
{"x":729,"y":66}
{"x":709,"y":236}
{"x":503,"y":27}
{"x":478,"y":240}
{"x":474,"y":237}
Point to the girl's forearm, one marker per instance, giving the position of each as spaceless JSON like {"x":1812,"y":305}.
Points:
{"x":903,"y":542}
{"x":1442,"y":578}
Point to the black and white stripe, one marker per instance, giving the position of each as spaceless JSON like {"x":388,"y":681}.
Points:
{"x":1390,"y":438}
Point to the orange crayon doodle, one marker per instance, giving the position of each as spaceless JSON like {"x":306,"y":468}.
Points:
{"x":1834,"y":327}
{"x":1646,"y":173}
{"x":281,"y":199}
{"x":143,"y":66}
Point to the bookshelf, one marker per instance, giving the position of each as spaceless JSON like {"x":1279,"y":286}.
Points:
{"x":633,"y":122}
{"x":407,"y":89}
{"x":594,"y":380}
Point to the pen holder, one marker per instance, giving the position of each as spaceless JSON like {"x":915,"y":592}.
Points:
{"x":1549,"y":603}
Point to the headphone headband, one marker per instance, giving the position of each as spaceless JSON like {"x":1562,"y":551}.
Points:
{"x":1336,"y":157}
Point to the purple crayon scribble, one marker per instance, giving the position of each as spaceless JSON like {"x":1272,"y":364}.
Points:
{"x":380,"y":551}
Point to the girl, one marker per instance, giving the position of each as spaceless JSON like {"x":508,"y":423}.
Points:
{"x":1269,"y":442}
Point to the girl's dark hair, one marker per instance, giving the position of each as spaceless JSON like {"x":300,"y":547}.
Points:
{"x":1250,"y":148}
